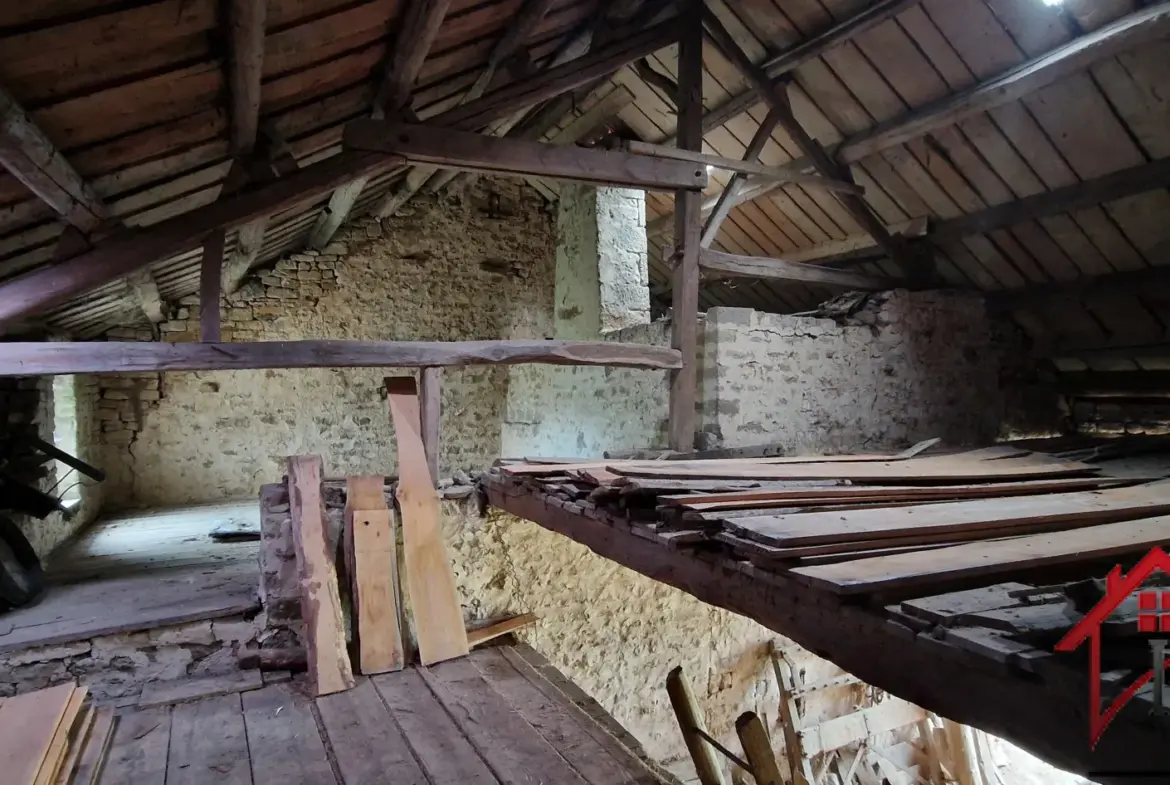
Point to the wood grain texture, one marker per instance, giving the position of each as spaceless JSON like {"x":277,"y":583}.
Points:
{"x":876,"y":472}
{"x":92,"y":760}
{"x":438,"y":616}
{"x":430,"y":402}
{"x":373,"y":573}
{"x":28,"y":723}
{"x":416,"y":33}
{"x":1066,"y":510}
{"x":246,"y":20}
{"x":138,"y":750}
{"x":738,"y":266}
{"x":367,"y":744}
{"x":451,"y":149}
{"x":329,"y":667}
{"x":442,"y":749}
{"x":948,"y":567}
{"x":22,"y":359}
{"x":689,"y":715}
{"x":76,"y":742}
{"x":283,"y":742}
{"x":160,"y":693}
{"x":493,"y":630}
{"x":64,"y":735}
{"x":209,"y":743}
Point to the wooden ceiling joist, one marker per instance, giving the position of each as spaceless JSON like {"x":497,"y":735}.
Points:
{"x":247,"y":21}
{"x":32,"y":158}
{"x":63,"y":357}
{"x":1143,"y":281}
{"x":737,"y":184}
{"x":448,"y":149}
{"x":530,"y":16}
{"x":728,"y":265}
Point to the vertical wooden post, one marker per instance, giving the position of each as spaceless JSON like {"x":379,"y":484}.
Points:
{"x":210,"y":283}
{"x":687,"y":227}
{"x":690,"y":718}
{"x":757,"y":748}
{"x":430,"y":388}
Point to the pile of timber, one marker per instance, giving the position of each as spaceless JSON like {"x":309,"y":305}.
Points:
{"x":857,"y":525}
{"x":53,"y":736}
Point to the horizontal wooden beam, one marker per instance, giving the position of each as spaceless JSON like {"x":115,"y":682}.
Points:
{"x":736,"y":266}
{"x":1137,"y":348}
{"x":61,"y":357}
{"x":32,"y":158}
{"x":1141,"y":281}
{"x":749,"y":167}
{"x":127,"y":251}
{"x":1115,"y":384}
{"x":445,"y":148}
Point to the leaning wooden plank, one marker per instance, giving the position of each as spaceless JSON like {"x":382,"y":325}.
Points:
{"x":749,"y":499}
{"x":691,"y":719}
{"x":493,"y":630}
{"x":438,"y":617}
{"x":209,"y":743}
{"x":27,"y":725}
{"x":470,"y":152}
{"x":138,"y":751}
{"x":513,"y":749}
{"x":373,"y":572}
{"x":93,"y":755}
{"x":948,"y":567}
{"x":758,"y":749}
{"x":66,"y":730}
{"x":23,"y":359}
{"x":324,"y":631}
{"x":76,"y":743}
{"x":878,"y":472}
{"x":160,"y":693}
{"x":1067,"y":510}
{"x":284,"y":744}
{"x":891,"y":714}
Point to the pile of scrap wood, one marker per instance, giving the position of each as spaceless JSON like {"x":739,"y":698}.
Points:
{"x":857,"y":524}
{"x":53,"y":736}
{"x":370,"y":566}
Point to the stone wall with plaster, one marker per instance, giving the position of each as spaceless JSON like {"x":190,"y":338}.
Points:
{"x":901,"y":367}
{"x":28,"y":408}
{"x":477,"y":265}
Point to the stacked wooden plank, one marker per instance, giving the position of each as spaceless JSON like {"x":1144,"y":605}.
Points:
{"x":53,"y":736}
{"x":907,"y":524}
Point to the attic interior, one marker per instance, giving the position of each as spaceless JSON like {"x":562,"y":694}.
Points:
{"x":511,"y":391}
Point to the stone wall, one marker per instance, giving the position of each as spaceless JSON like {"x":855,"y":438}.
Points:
{"x":27,"y":409}
{"x":902,"y":367}
{"x":471,"y":266}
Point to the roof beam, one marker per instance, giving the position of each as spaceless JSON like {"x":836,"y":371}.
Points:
{"x":63,"y":357}
{"x":530,"y":16}
{"x":130,"y":250}
{"x":736,"y":266}
{"x":32,"y":158}
{"x":738,"y":182}
{"x":1136,"y":282}
{"x":846,"y":30}
{"x":420,"y":25}
{"x":448,"y":149}
{"x":247,"y":19}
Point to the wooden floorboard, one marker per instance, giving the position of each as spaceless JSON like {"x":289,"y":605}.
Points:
{"x":440,"y":746}
{"x":138,"y":753}
{"x":367,"y":744}
{"x":513,"y":749}
{"x":283,"y":741}
{"x":209,"y":743}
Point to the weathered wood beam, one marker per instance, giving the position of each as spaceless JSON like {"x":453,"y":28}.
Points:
{"x":822,"y":162}
{"x":132,"y":249}
{"x":333,"y":216}
{"x":748,"y":167}
{"x":144,"y":290}
{"x":62,"y":357}
{"x":280,"y":162}
{"x":1129,"y":282}
{"x":249,"y":243}
{"x":430,"y":407}
{"x":751,"y":189}
{"x":246,"y":19}
{"x":657,"y":79}
{"x":522,"y":26}
{"x":420,"y":24}
{"x":445,"y":148}
{"x":684,"y":326}
{"x":32,"y":158}
{"x":736,"y":266}
{"x":211,"y":286}
{"x":839,"y":34}
{"x":738,"y":182}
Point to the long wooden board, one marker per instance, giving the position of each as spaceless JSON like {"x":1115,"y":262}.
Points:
{"x":878,"y":472}
{"x":66,"y":730}
{"x":749,"y":499}
{"x":1069,"y":510}
{"x":438,"y":617}
{"x":93,"y":755}
{"x":28,"y":723}
{"x":373,"y":573}
{"x":329,"y":667}
{"x":948,"y":568}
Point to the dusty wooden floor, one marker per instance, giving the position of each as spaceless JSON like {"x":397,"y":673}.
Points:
{"x":139,"y":571}
{"x":492,"y":717}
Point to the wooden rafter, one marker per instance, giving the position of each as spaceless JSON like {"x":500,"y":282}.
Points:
{"x":684,"y":328}
{"x":32,"y":158}
{"x":821,"y":161}
{"x":246,"y":19}
{"x":530,"y":16}
{"x":445,"y":148}
{"x":737,"y":184}
{"x":1128,"y":282}
{"x":737,"y":266}
{"x":846,"y":30}
{"x":63,"y":357}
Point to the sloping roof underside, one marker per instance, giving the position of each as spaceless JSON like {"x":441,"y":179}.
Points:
{"x":135,"y":98}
